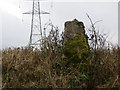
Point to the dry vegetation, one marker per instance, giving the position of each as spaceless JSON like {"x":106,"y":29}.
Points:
{"x":26,"y":67}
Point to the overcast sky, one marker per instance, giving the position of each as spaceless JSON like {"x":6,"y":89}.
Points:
{"x":15,"y":27}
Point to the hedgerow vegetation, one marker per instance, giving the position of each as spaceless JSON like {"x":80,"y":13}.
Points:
{"x":59,"y":66}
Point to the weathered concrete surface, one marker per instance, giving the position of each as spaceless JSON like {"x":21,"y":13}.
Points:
{"x":76,"y":47}
{"x":72,"y":29}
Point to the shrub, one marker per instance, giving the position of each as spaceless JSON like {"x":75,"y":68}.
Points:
{"x":77,"y":50}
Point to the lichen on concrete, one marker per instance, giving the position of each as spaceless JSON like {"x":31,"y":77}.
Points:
{"x":76,"y":47}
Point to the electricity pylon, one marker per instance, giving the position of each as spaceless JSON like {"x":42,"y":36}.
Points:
{"x":36,"y":36}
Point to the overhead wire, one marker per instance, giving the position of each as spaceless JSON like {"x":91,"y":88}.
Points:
{"x":49,"y":22}
{"x":50,"y":10}
{"x":19,"y":6}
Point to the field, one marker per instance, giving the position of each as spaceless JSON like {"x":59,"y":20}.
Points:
{"x":73,"y":64}
{"x":28,"y":68}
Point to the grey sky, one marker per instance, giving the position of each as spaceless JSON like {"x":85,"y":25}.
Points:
{"x":16,"y":33}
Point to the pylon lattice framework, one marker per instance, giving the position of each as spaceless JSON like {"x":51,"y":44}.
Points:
{"x":36,"y":29}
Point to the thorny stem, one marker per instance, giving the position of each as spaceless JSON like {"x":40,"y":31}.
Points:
{"x":94,"y":32}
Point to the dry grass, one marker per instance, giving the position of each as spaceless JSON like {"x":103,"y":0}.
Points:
{"x":28,"y":68}
{"x":25,"y":67}
{"x":49,"y":68}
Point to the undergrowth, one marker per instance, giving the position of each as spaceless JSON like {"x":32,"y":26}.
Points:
{"x":28,"y":68}
{"x":56,"y":66}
